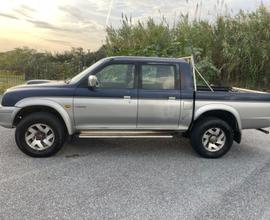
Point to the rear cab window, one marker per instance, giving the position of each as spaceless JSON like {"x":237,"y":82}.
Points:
{"x":158,"y":77}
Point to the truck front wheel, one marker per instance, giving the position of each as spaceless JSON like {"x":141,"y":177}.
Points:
{"x":40,"y":134}
{"x":211,"y":137}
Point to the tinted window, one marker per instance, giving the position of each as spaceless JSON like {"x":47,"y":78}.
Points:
{"x":119,"y":76}
{"x":158,"y":77}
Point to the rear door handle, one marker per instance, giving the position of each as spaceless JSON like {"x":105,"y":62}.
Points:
{"x":171,"y":98}
{"x":127,"y":97}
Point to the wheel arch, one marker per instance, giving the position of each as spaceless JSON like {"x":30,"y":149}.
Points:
{"x":27,"y":106}
{"x":224,"y":112}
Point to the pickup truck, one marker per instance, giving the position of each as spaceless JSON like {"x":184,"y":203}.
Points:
{"x":132,"y":97}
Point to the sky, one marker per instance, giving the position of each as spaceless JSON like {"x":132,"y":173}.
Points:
{"x":59,"y":25}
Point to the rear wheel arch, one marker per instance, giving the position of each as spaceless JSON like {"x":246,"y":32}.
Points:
{"x":228,"y":116}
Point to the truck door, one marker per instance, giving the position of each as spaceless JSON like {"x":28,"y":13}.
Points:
{"x":158,"y":96}
{"x":110,"y":105}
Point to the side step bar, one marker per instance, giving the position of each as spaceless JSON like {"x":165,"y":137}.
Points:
{"x":125,"y":134}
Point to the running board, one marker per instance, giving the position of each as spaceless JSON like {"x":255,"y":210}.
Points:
{"x":125,"y":134}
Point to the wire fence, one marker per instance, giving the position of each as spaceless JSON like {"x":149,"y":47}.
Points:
{"x":9,"y":79}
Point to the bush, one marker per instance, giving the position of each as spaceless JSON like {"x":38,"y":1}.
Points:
{"x":234,"y":50}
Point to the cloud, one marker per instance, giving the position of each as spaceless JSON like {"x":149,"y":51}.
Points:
{"x":81,"y":27}
{"x":8,"y":16}
{"x":81,"y":19}
{"x":59,"y":24}
{"x":73,"y":11}
{"x":91,"y":25}
{"x":46,"y":25}
{"x":25,"y":10}
{"x":58,"y":41}
{"x":83,"y":12}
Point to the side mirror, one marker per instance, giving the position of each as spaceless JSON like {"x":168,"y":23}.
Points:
{"x":92,"y":81}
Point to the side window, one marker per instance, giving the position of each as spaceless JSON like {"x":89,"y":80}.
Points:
{"x":117,"y":76}
{"x":158,"y":77}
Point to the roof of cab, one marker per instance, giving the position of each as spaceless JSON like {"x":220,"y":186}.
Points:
{"x":146,"y":59}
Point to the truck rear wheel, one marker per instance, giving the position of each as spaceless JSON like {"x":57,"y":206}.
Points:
{"x":211,"y":137}
{"x":40,"y":134}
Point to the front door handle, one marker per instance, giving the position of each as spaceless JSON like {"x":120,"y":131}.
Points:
{"x":171,"y":98}
{"x":127,"y":97}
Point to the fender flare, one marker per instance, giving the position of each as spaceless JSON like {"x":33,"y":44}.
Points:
{"x":219,"y":107}
{"x":39,"y":101}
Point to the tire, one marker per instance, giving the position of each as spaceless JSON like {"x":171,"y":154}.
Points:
{"x":40,"y":134}
{"x":211,"y":137}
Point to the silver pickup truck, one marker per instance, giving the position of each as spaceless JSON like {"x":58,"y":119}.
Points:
{"x":132,"y":97}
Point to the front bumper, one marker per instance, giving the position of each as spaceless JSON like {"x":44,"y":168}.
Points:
{"x":7,"y":116}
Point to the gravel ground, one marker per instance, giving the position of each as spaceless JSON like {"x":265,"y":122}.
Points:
{"x":136,"y":179}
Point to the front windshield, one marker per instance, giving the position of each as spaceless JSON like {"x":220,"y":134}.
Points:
{"x":79,"y":76}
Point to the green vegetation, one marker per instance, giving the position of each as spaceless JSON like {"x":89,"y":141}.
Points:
{"x":231,"y":50}
{"x":22,"y":64}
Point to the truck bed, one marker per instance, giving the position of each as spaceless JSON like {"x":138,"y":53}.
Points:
{"x":229,"y":89}
{"x":215,"y":88}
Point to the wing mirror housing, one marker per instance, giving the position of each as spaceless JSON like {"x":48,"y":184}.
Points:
{"x":92,"y":81}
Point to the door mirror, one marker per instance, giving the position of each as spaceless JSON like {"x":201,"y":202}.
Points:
{"x":92,"y":81}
